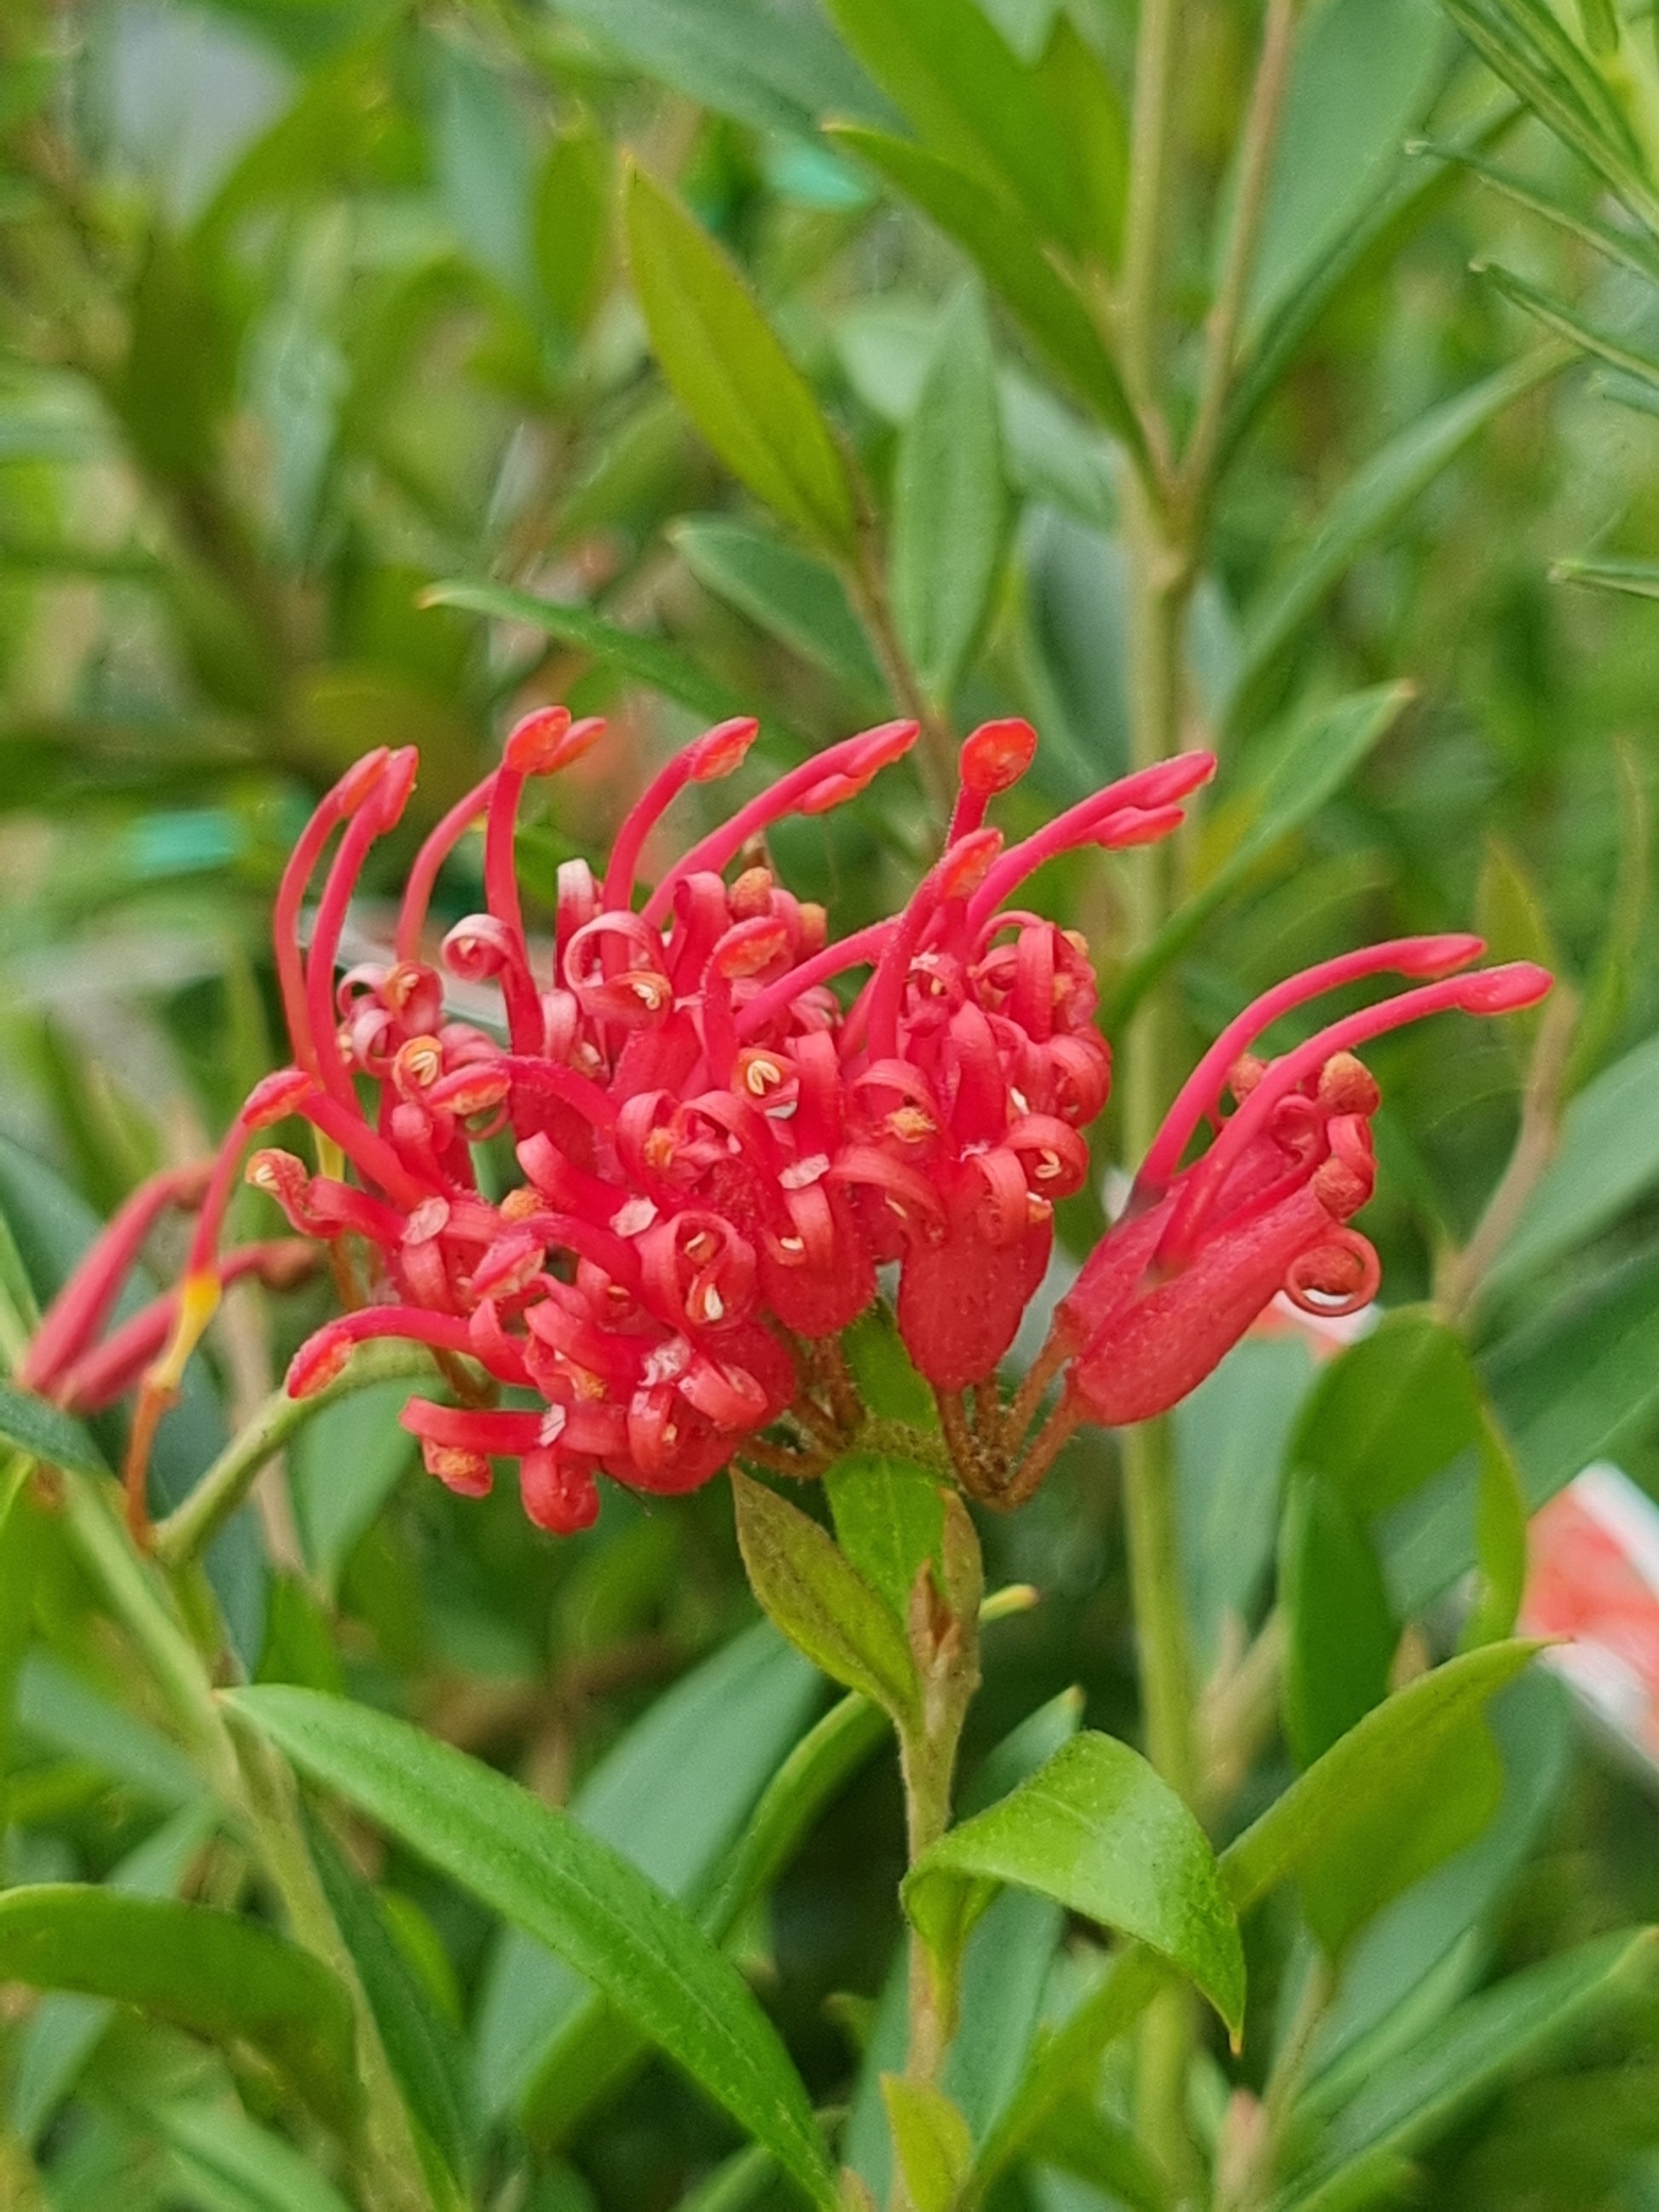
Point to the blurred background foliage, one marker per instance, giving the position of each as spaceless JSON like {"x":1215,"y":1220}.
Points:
{"x":311,"y":308}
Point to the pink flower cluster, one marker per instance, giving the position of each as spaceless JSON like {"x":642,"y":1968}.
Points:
{"x":715,"y":1152}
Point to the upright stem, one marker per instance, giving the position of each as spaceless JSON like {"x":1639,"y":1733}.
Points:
{"x":1156,"y":526}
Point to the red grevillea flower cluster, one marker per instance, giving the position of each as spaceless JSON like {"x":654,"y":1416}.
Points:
{"x":715,"y":1151}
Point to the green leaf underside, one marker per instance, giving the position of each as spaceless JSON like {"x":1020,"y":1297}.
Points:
{"x":1099,"y":1832}
{"x":223,"y":1978}
{"x":537,"y":1869}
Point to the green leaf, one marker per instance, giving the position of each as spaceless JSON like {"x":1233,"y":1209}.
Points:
{"x":820,"y":1601}
{"x":1099,"y":1832}
{"x":1230,"y":1434}
{"x":645,"y":660}
{"x":785,"y":592}
{"x":1500,"y":1540}
{"x":63,"y":1708}
{"x":1625,"y":247}
{"x":1048,"y":307}
{"x":1608,"y":1157}
{"x":1637,"y":580}
{"x":951,"y":72}
{"x":228,"y":2164}
{"x":1362,"y":77}
{"x":671,"y":1795}
{"x":1319,"y":752}
{"x":545,"y":1875}
{"x":733,"y":2186}
{"x":1079,"y":2140}
{"x":930,"y":2140}
{"x":889,"y":1518}
{"x":1390,"y":1411}
{"x":1442,"y":1800}
{"x":224,"y":1978}
{"x":731,"y":375}
{"x":423,"y":2050}
{"x":41,"y":1429}
{"x":1556,"y":316}
{"x":1369,"y":504}
{"x":1340,"y":1630}
{"x":1414,"y":2099}
{"x":571,"y":224}
{"x":1363,"y":1769}
{"x":948,"y":504}
{"x":740,"y":57}
{"x":342,"y":1466}
{"x":65,"y":2028}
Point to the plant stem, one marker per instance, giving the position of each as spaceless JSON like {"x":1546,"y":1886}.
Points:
{"x":1259,"y":134}
{"x":191,"y":1527}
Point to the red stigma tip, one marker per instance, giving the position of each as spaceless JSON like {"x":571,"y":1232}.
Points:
{"x":881,"y":746}
{"x":360,"y":778}
{"x":968,"y":863}
{"x":1434,"y":956}
{"x":1505,"y":990}
{"x":750,"y":946}
{"x":535,"y":746}
{"x":997,"y":755}
{"x":721,"y":750}
{"x":1176,"y":778}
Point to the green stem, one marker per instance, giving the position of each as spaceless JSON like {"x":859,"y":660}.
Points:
{"x":191,"y":1527}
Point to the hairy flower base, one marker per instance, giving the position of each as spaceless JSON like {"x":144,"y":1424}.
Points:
{"x":716,"y":1154}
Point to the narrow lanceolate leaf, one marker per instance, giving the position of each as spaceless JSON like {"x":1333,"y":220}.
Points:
{"x":225,"y":1979}
{"x":1608,"y":1157}
{"x":731,"y":375}
{"x":960,"y":84}
{"x":646,"y":660}
{"x":1361,"y":1772}
{"x":814,"y":1595}
{"x":537,"y":1869}
{"x":948,"y":504}
{"x":1371,"y":503}
{"x":798,"y":600}
{"x":1321,"y":750}
{"x":35,"y":1426}
{"x":1097,"y":1829}
{"x":223,"y":2160}
{"x":995,"y":236}
{"x":1414,"y":2098}
{"x":1635,"y":579}
{"x":1555,"y":315}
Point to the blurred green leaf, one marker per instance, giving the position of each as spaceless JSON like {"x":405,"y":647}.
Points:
{"x":1319,"y":752}
{"x":1341,"y":1631}
{"x":541,"y":1871}
{"x":65,"y":2026}
{"x":1500,"y":1540}
{"x":1608,"y":1158}
{"x":1371,"y":501}
{"x":820,"y":1601}
{"x":342,"y":1466}
{"x":1364,"y":74}
{"x":572,"y":223}
{"x":1555,"y":315}
{"x":1390,"y":1411}
{"x":785,"y":592}
{"x":63,"y":1708}
{"x":228,"y":2164}
{"x":1493,"y":2036}
{"x":931,"y":2139}
{"x":775,"y":70}
{"x":1049,"y":309}
{"x":46,"y":1433}
{"x":948,"y":504}
{"x":423,"y":2050}
{"x":1363,"y":1772}
{"x":947,"y":66}
{"x":223,"y":1978}
{"x":1096,"y":1830}
{"x":645,"y":660}
{"x":1637,"y":580}
{"x":731,"y":375}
